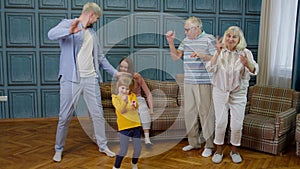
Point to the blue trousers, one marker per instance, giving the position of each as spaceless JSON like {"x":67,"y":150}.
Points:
{"x":69,"y":95}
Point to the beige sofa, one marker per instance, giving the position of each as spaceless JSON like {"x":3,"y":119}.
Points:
{"x":168,"y":117}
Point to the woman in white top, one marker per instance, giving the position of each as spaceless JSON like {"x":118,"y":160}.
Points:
{"x":232,"y":65}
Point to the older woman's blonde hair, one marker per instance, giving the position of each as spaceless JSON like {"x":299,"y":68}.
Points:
{"x":92,"y":7}
{"x":238,"y":32}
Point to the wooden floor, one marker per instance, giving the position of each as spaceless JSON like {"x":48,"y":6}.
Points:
{"x":29,"y":143}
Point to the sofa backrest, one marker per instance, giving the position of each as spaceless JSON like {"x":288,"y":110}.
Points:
{"x":269,"y":101}
{"x":164,"y":93}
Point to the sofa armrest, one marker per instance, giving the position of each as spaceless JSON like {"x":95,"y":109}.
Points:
{"x":285,"y":121}
{"x":247,"y":108}
{"x":297,"y":132}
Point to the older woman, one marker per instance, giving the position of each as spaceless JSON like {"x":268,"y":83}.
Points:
{"x":232,"y":65}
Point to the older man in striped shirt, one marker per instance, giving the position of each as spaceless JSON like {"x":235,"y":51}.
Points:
{"x":196,"y":49}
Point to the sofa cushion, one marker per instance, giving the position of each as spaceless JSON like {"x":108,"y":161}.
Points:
{"x":169,"y":118}
{"x":259,"y":126}
{"x":107,"y":103}
{"x":180,"y":98}
{"x":106,"y":89}
{"x":162,"y":101}
{"x":180,"y":82}
{"x":111,"y":119}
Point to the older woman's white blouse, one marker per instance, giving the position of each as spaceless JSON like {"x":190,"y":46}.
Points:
{"x":229,"y":74}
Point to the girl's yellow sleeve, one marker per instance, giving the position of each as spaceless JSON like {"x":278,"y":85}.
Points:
{"x":119,"y":103}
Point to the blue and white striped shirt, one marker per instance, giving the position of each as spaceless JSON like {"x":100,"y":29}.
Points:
{"x":194,"y":68}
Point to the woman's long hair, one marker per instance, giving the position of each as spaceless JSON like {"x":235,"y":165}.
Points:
{"x":130,"y":64}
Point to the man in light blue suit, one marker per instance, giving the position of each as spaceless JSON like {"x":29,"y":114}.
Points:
{"x":79,"y":73}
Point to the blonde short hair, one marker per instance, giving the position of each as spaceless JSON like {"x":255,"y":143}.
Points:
{"x":238,"y":32}
{"x":125,"y":80}
{"x":92,"y":7}
{"x":194,"y":22}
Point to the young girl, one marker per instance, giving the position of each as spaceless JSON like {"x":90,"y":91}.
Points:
{"x":128,"y":120}
{"x":126,"y":65}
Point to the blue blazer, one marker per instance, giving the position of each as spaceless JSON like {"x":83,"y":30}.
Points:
{"x":70,"y":45}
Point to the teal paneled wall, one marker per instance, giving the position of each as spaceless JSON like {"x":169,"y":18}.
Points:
{"x":1,"y":70}
{"x":29,"y":60}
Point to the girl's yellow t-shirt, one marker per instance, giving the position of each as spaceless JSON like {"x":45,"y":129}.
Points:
{"x":127,"y":115}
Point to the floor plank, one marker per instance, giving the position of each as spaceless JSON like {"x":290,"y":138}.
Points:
{"x":28,"y":144}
